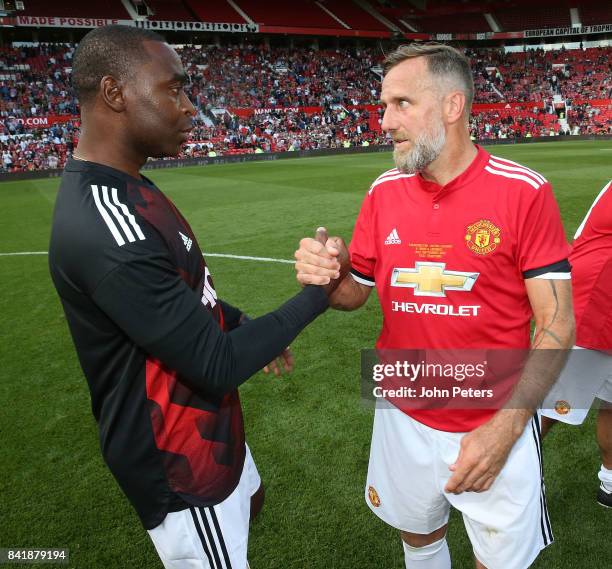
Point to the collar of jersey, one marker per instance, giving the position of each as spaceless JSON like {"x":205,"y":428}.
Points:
{"x":472,"y":171}
{"x":73,"y":165}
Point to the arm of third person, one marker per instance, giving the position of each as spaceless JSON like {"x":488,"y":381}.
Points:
{"x":319,"y":261}
{"x":484,"y":451}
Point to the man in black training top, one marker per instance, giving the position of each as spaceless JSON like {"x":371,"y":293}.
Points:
{"x":163,"y":355}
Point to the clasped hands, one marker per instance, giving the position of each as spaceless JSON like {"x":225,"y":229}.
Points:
{"x":322,"y":261}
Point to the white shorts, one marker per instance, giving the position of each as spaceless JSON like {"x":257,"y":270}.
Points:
{"x":508,"y":524}
{"x":586,"y":375}
{"x":210,"y":538}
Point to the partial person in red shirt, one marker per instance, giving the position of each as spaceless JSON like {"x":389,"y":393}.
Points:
{"x":464,"y":249}
{"x":588,"y":373}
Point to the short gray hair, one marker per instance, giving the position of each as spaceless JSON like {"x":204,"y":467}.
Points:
{"x":443,"y":62}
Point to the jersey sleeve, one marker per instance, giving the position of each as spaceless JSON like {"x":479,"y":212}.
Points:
{"x":362,"y":248}
{"x":541,"y":239}
{"x":231,"y":315}
{"x":149,"y":301}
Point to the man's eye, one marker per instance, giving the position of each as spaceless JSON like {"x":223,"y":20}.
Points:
{"x":403,"y":103}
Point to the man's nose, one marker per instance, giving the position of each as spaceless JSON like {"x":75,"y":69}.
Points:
{"x":389,"y":121}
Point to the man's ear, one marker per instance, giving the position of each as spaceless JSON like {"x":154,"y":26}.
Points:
{"x":112,"y":93}
{"x":454,"y":106}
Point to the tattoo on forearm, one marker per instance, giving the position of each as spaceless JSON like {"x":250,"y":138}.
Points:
{"x":546,"y":332}
{"x":540,"y":334}
{"x":554,"y":291}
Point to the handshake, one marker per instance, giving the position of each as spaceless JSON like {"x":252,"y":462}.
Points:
{"x":322,"y":261}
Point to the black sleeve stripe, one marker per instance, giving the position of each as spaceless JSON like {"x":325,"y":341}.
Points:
{"x":559,"y":267}
{"x":362,"y":276}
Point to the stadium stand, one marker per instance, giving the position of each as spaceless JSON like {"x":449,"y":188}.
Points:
{"x":590,"y":120}
{"x":257,"y":98}
{"x":595,"y":12}
{"x":278,"y":131}
{"x":536,"y":75}
{"x":507,"y":123}
{"x":449,"y":16}
{"x":256,"y":76}
{"x":353,"y":15}
{"x":170,"y":10}
{"x":455,"y":23}
{"x":396,"y":16}
{"x":534,"y":17}
{"x":76,"y":9}
{"x":219,"y":11}
{"x":281,"y":13}
{"x":442,"y":16}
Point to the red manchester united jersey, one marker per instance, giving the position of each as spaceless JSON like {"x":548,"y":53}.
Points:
{"x":449,"y":262}
{"x":591,"y":260}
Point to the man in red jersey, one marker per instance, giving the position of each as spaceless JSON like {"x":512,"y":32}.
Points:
{"x":588,"y":373}
{"x":464,"y":250}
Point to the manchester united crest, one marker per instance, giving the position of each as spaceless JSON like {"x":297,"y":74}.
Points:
{"x":483,"y":237}
{"x":373,"y":496}
{"x":562,"y":407}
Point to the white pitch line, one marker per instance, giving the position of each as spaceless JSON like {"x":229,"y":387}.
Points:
{"x":223,"y":255}
{"x":23,"y":253}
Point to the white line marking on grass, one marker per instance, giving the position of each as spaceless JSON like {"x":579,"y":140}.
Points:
{"x":23,"y":253}
{"x":222,"y":255}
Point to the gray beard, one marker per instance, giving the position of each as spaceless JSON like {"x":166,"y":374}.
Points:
{"x":427,"y":147}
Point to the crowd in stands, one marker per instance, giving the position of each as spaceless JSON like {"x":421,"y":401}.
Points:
{"x":280,"y":131}
{"x":537,"y":75}
{"x":257,"y":76}
{"x":585,"y":119}
{"x":35,"y":82}
{"x":24,"y":151}
{"x":513,"y":124}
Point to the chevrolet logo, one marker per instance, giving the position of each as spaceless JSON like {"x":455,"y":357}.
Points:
{"x":430,"y":279}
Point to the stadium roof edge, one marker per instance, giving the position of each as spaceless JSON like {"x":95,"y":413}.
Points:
{"x":223,"y":27}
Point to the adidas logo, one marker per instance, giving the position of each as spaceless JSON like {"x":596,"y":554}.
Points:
{"x":187,"y":241}
{"x":393,"y":238}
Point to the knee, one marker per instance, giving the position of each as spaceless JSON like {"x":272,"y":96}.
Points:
{"x":418,"y":540}
{"x":257,"y":501}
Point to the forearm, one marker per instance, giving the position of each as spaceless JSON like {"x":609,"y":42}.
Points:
{"x":152,"y":305}
{"x":485,"y":450}
{"x":554,"y":336}
{"x":217,"y":362}
{"x":349,"y":295}
{"x":539,"y":373}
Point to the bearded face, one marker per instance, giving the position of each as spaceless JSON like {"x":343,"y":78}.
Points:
{"x":414,"y":105}
{"x":412,"y":156}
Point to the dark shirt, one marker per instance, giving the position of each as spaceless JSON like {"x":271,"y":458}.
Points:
{"x":163,"y":356}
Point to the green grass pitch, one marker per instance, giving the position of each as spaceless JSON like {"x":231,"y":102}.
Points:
{"x":309,"y":432}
